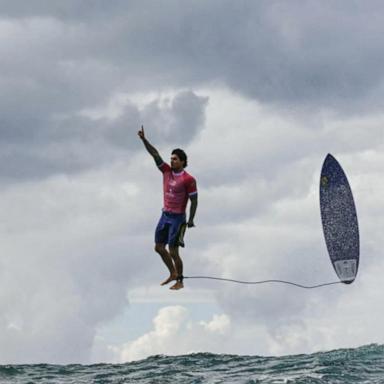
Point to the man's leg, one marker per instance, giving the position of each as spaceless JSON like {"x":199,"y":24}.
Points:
{"x":174,"y":252}
{"x":167,"y":259}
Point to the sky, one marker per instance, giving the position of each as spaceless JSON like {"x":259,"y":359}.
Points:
{"x":257,"y":93}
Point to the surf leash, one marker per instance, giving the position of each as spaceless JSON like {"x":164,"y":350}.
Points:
{"x":264,"y":282}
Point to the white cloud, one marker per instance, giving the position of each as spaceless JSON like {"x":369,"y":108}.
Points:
{"x":175,"y":333}
{"x":219,"y":324}
{"x":71,"y":248}
{"x":338,"y":317}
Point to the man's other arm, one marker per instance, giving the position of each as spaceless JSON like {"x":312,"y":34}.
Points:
{"x":192,"y":210}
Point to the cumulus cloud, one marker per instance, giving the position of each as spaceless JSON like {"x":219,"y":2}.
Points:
{"x":175,"y":333}
{"x":321,"y":322}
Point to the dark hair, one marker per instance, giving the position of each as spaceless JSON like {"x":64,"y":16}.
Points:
{"x":181,"y":155}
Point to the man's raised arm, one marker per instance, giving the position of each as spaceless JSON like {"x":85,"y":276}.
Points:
{"x":151,"y":149}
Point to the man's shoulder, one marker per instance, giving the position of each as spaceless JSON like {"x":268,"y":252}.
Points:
{"x":190,"y":184}
{"x":188,"y":176}
{"x":164,"y":167}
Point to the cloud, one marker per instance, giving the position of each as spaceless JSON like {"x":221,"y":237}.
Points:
{"x":80,"y":55}
{"x":52,"y":73}
{"x":71,"y":250}
{"x":64,"y":58}
{"x":34,"y":149}
{"x":175,"y":333}
{"x":176,"y":120}
{"x":321,"y":322}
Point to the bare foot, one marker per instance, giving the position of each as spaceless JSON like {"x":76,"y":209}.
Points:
{"x":177,"y":286}
{"x":170,"y":278}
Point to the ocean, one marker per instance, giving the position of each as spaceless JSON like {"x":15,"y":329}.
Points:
{"x":359,"y":365}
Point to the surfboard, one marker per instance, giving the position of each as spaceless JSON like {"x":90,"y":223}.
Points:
{"x":339,"y":219}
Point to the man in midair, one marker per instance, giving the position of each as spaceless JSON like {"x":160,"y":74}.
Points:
{"x":178,"y":187}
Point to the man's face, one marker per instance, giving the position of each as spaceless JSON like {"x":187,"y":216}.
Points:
{"x":176,"y":163}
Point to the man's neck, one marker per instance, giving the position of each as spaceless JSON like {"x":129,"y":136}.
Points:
{"x":177,"y":171}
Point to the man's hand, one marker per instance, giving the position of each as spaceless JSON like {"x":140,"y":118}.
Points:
{"x":141,"y":133}
{"x":190,"y":224}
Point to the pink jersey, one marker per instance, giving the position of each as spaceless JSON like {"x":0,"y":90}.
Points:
{"x":177,"y":188}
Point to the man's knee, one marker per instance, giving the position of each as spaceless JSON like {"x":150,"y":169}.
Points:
{"x":159,"y":248}
{"x":174,"y":251}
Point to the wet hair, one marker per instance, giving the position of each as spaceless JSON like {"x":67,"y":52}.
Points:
{"x":181,"y":155}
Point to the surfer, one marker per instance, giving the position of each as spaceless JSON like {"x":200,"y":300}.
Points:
{"x":178,"y":186}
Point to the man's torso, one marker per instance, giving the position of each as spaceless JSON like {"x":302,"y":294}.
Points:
{"x":177,"y":188}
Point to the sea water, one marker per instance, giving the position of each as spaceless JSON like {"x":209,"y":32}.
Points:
{"x":359,"y":365}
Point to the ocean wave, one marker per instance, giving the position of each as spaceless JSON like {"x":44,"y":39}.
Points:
{"x":355,"y":365}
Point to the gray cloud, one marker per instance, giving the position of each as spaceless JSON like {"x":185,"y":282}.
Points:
{"x":178,"y":120}
{"x":322,"y":56}
{"x":61,"y":58}
{"x":44,"y":145}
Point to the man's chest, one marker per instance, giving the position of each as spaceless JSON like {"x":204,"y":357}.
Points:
{"x":174,"y":184}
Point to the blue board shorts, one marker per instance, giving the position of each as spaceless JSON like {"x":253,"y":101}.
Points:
{"x":169,"y":227}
